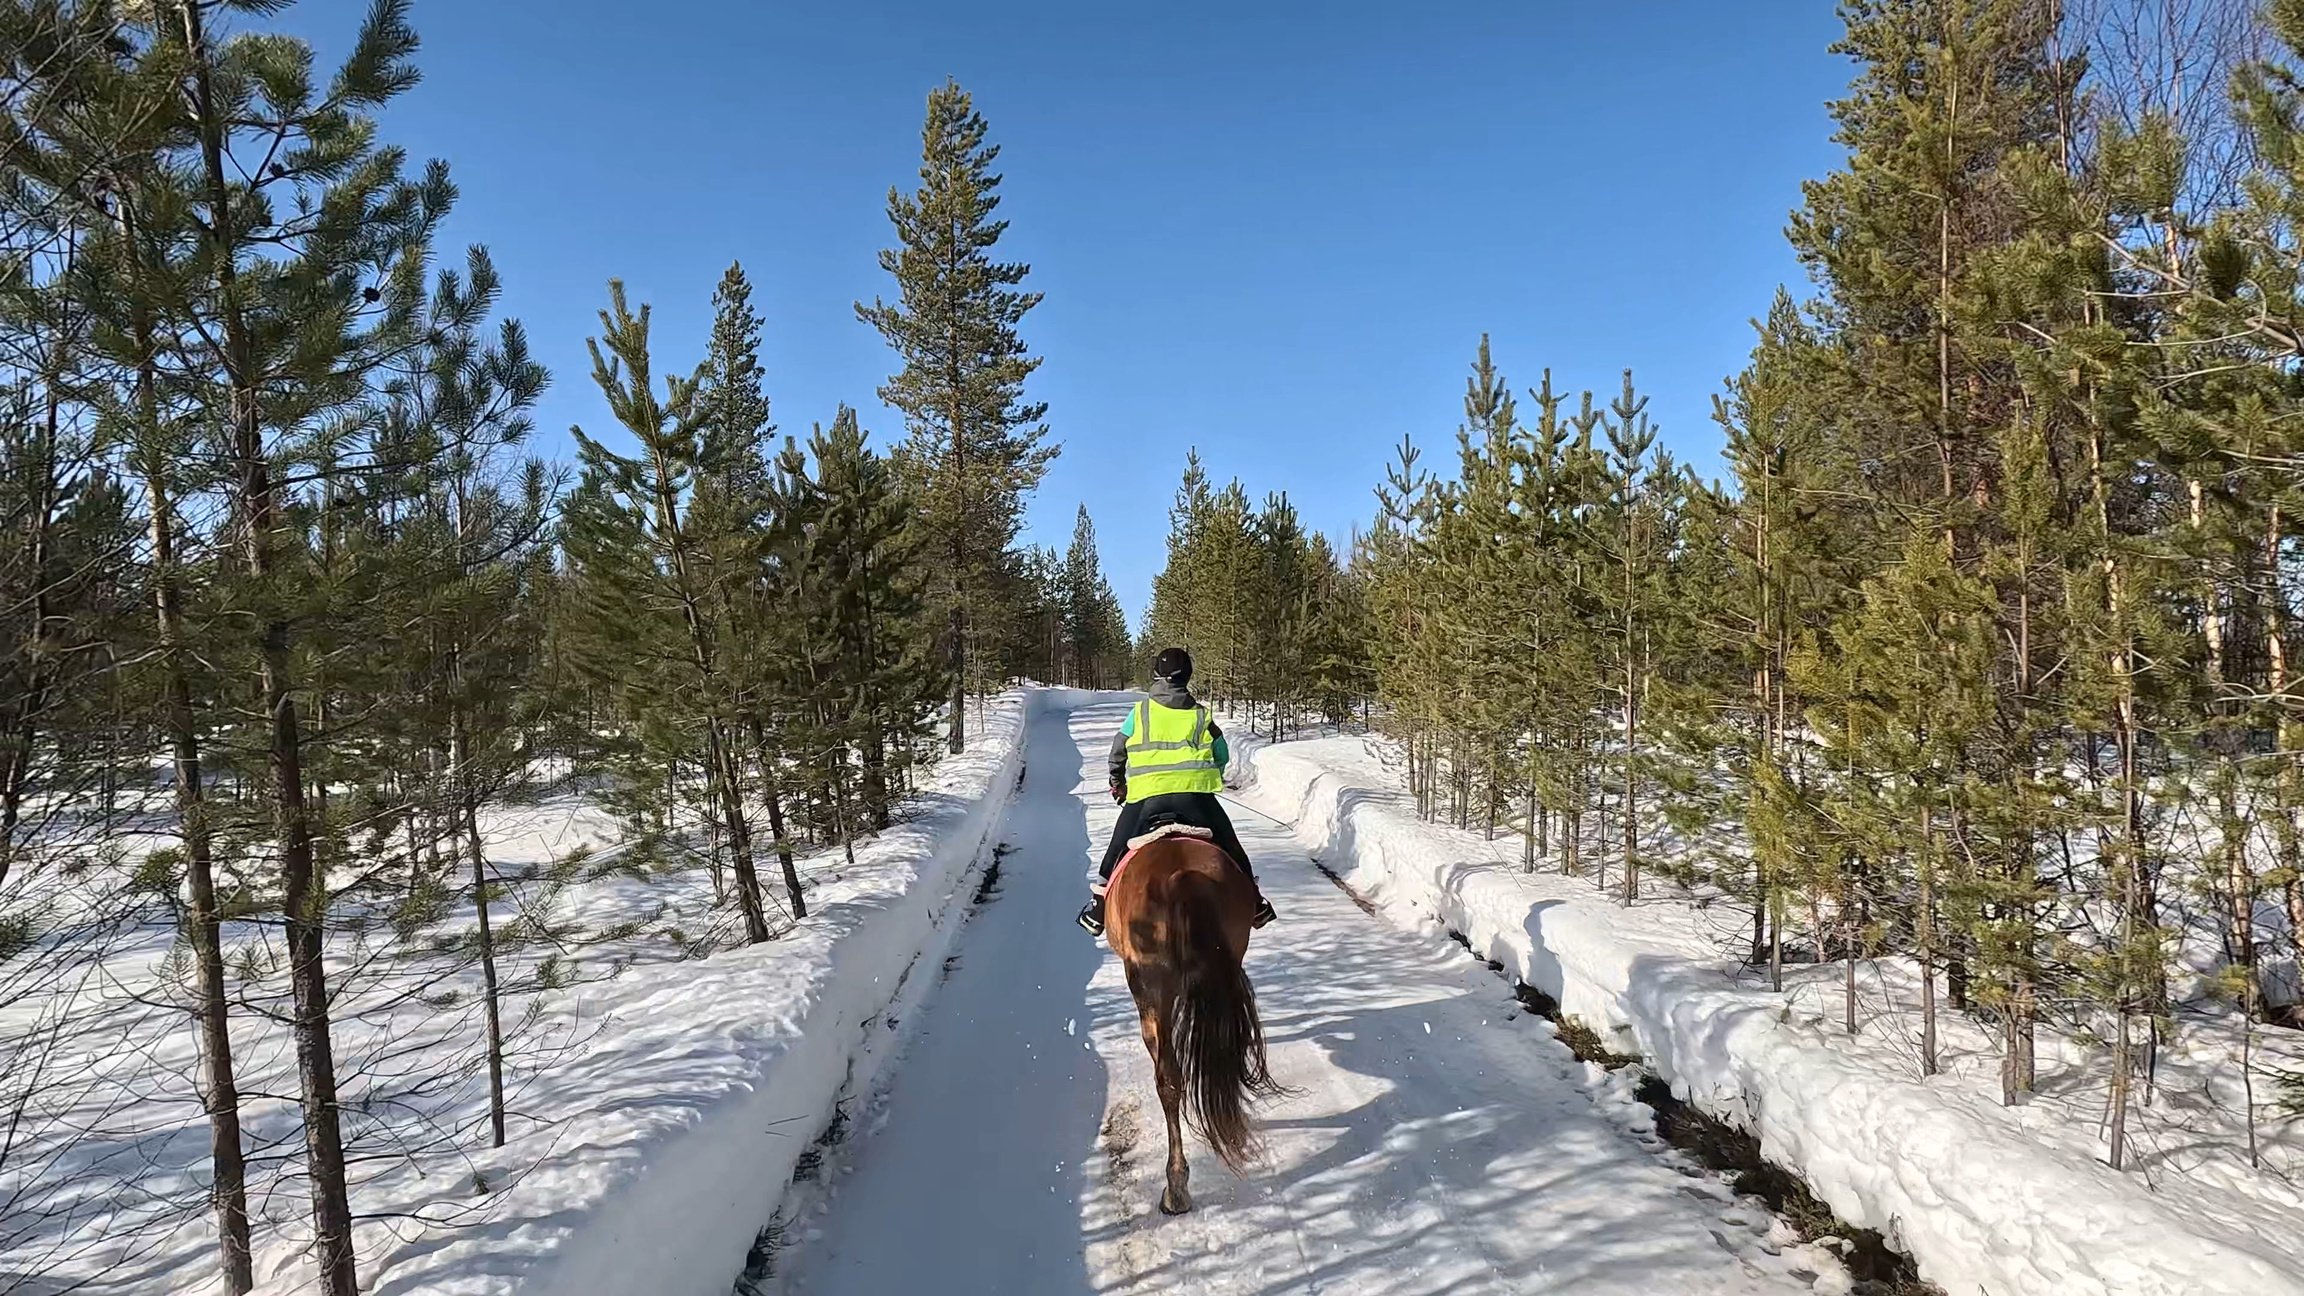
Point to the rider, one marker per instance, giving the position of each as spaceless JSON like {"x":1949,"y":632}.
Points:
{"x":1167,"y":765}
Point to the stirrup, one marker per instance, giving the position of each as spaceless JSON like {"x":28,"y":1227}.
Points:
{"x":1091,"y":918}
{"x":1264,"y":913}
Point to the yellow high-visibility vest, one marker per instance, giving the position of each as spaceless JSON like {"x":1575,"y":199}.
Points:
{"x":1172,"y":749}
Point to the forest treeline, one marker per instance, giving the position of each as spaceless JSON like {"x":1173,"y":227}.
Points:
{"x":1982,"y":653}
{"x":286,"y":585}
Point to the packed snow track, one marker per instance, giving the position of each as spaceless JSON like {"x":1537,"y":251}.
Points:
{"x":1437,"y":1141}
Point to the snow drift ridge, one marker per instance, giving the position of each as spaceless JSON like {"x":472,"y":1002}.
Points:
{"x":1980,"y":1203}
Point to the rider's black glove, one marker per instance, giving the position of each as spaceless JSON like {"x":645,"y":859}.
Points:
{"x":1119,"y":791}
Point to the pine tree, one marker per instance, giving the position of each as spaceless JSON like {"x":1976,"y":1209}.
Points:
{"x":468,"y":403}
{"x":1796,"y":573}
{"x":1175,"y":616}
{"x":138,"y":270}
{"x":1336,"y":643}
{"x":1951,"y":100}
{"x":2247,"y":275}
{"x":888,"y":663}
{"x":649,"y":602}
{"x":734,"y":512}
{"x":297,"y":306}
{"x":1278,"y":639}
{"x":1636,"y":525}
{"x":815,"y":705}
{"x":974,"y":446}
{"x":1095,"y":630}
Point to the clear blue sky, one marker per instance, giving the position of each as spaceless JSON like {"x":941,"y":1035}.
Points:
{"x":1274,"y":231}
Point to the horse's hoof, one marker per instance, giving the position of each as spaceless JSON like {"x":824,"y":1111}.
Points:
{"x":1174,"y":1202}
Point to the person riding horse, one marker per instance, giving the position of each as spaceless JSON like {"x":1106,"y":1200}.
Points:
{"x":1167,"y":766}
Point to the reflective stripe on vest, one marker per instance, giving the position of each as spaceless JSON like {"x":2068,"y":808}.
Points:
{"x":1171,"y":750}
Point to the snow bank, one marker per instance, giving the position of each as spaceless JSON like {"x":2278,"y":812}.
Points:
{"x":1983,"y":1202}
{"x":710,"y":1079}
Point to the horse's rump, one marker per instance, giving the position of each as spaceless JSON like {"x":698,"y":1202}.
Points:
{"x":1157,"y":832}
{"x":1181,"y":920}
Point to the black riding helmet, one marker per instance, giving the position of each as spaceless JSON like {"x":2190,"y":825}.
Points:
{"x":1173,"y":665}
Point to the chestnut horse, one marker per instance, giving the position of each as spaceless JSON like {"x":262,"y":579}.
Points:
{"x":1177,"y":913}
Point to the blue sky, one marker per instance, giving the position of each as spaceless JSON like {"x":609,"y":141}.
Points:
{"x":1274,"y":231}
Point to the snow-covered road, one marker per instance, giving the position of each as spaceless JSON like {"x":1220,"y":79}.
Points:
{"x":1438,"y":1142}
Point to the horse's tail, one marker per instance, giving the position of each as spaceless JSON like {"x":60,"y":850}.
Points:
{"x":1218,"y":1038}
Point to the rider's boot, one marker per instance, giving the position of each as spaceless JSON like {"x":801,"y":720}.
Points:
{"x":1091,"y":917}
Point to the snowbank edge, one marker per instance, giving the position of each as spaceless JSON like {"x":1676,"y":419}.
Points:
{"x":677,"y":1213}
{"x":1981,"y":1207}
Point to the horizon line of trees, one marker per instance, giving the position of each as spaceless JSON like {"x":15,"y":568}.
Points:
{"x":1273,"y":617}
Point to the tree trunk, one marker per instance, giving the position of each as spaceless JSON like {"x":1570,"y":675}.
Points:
{"x":307,"y":909}
{"x":1848,"y":958}
{"x":1572,"y":830}
{"x":488,"y":989}
{"x":306,"y":894}
{"x":772,"y":792}
{"x":958,"y":741}
{"x":2017,"y":1068}
{"x":1598,"y":790}
{"x":15,"y":776}
{"x":1532,"y":844}
{"x":219,"y":1086}
{"x":725,"y":786}
{"x":2135,"y":896}
{"x":1776,"y":942}
{"x":2131,"y":905}
{"x":876,"y":802}
{"x":2019,"y":1012}
{"x":1458,"y":793}
{"x":1761,"y":891}
{"x":22,"y":736}
{"x":2285,"y":789}
{"x":1925,"y":934}
{"x":220,"y":1090}
{"x":1631,"y":774}
{"x":2239,"y":878}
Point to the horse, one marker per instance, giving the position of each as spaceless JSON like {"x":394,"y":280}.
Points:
{"x":1177,"y":913}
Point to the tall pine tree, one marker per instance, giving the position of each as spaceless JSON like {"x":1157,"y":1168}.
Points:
{"x":974,"y":446}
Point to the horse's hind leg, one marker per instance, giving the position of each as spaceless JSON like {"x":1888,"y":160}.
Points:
{"x":1175,"y":1199}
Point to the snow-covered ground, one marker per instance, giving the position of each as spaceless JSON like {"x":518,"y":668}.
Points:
{"x":1439,"y":1139}
{"x":996,"y":1127}
{"x":2012,"y":1202}
{"x":660,"y":1098}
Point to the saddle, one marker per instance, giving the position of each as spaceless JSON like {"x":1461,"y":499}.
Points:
{"x":1169,"y":828}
